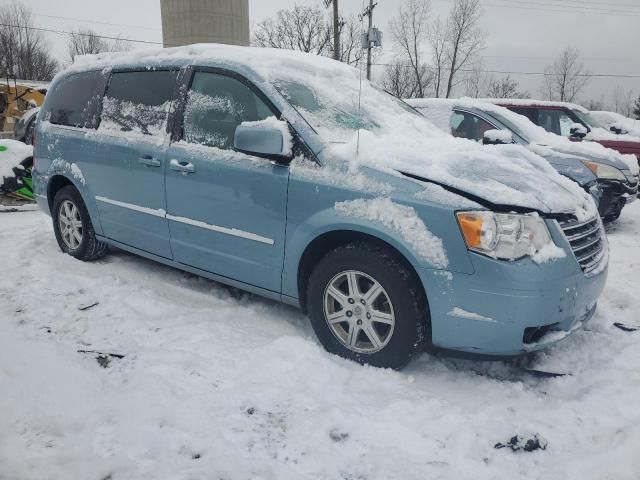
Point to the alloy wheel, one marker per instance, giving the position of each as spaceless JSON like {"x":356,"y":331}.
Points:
{"x":70,"y":224}
{"x":359,"y":312}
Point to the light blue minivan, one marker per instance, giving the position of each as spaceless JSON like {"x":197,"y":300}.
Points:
{"x":287,"y":175}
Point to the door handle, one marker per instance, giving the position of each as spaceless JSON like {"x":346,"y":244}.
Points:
{"x":149,"y":161}
{"x":183,"y":167}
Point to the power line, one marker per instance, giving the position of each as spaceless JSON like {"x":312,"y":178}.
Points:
{"x":577,"y":5}
{"x":555,"y":9}
{"x":140,"y":27}
{"x":64,"y":32}
{"x":506,"y":72}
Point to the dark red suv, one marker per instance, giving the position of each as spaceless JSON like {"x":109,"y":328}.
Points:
{"x":561,"y":118}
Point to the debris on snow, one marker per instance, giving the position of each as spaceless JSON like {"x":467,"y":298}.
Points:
{"x":625,"y":327}
{"x":518,"y":444}
{"x":88,"y":306}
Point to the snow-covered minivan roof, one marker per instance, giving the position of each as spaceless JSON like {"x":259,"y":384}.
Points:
{"x":358,"y":124}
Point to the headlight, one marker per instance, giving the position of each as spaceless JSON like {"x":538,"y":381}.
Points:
{"x":505,"y":236}
{"x":605,"y":171}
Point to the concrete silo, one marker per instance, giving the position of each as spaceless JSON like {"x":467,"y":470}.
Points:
{"x":204,"y":21}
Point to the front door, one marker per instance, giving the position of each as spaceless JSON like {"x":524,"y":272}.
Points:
{"x":133,"y":141}
{"x":226,"y":210}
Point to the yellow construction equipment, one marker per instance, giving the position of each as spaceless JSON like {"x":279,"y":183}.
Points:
{"x":16,"y":97}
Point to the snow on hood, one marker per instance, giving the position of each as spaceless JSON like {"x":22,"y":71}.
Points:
{"x":375,"y":129}
{"x":612,"y":119}
{"x":12,"y":153}
{"x":599,"y":134}
{"x":439,"y":111}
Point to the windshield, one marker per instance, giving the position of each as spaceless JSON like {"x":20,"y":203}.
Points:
{"x":336,"y":112}
{"x":590,"y":120}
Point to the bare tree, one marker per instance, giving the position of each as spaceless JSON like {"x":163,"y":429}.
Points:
{"x":399,"y":79}
{"x":464,"y":37}
{"x":350,"y":45}
{"x":86,"y":42}
{"x":635,"y":110}
{"x":23,"y":51}
{"x":409,"y":29}
{"x":476,"y":80}
{"x":438,"y":36}
{"x":300,"y":28}
{"x":505,"y":87}
{"x":566,"y":76}
{"x":594,"y":104}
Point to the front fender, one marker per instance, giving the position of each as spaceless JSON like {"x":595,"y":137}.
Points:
{"x":301,"y":235}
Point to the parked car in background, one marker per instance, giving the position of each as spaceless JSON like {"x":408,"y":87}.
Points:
{"x":571,"y":121}
{"x":616,"y":122}
{"x":25,"y":126}
{"x":250,"y":167}
{"x":600,"y":171}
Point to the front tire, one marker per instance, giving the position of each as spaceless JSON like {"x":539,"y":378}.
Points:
{"x":73,"y":228}
{"x":366,"y":304}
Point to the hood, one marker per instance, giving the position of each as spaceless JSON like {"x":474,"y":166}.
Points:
{"x":507,"y":176}
{"x":567,"y":164}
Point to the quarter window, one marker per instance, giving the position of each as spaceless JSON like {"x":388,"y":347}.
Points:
{"x":75,"y":100}
{"x":138,"y":102}
{"x":556,"y":121}
{"x":216,"y":105}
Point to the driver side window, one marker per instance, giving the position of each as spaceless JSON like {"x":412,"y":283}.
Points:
{"x":466,"y":125}
{"x":216,"y":105}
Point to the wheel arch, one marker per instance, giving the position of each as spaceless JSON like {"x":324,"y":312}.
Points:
{"x":60,"y":180}
{"x":330,"y":240}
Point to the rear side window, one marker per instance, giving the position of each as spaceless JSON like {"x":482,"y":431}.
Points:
{"x":138,"y":102}
{"x":75,"y":100}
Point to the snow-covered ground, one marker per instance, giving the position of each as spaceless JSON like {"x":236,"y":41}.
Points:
{"x":217,"y":384}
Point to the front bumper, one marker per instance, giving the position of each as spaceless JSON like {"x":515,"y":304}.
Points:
{"x":615,"y":195}
{"x":508,"y":309}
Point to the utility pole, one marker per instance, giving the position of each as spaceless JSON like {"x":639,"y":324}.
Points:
{"x":369,"y":13}
{"x":336,"y":31}
{"x":337,"y":25}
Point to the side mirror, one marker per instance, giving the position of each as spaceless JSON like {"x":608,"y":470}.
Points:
{"x":497,"y":137}
{"x":577,"y":130}
{"x":266,"y":139}
{"x":617,"y":130}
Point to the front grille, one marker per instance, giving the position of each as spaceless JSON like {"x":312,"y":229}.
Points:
{"x":587,"y":242}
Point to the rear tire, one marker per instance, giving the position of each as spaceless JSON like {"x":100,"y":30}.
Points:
{"x":390,"y":325}
{"x":73,"y":228}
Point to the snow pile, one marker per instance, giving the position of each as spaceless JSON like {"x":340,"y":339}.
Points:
{"x":550,"y":252}
{"x":12,"y":153}
{"x":502,"y":136}
{"x":459,"y":312}
{"x":274,"y":123}
{"x":371,"y":126}
{"x":401,"y":219}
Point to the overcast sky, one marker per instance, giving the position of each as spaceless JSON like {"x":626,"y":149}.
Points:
{"x":522,"y":35}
